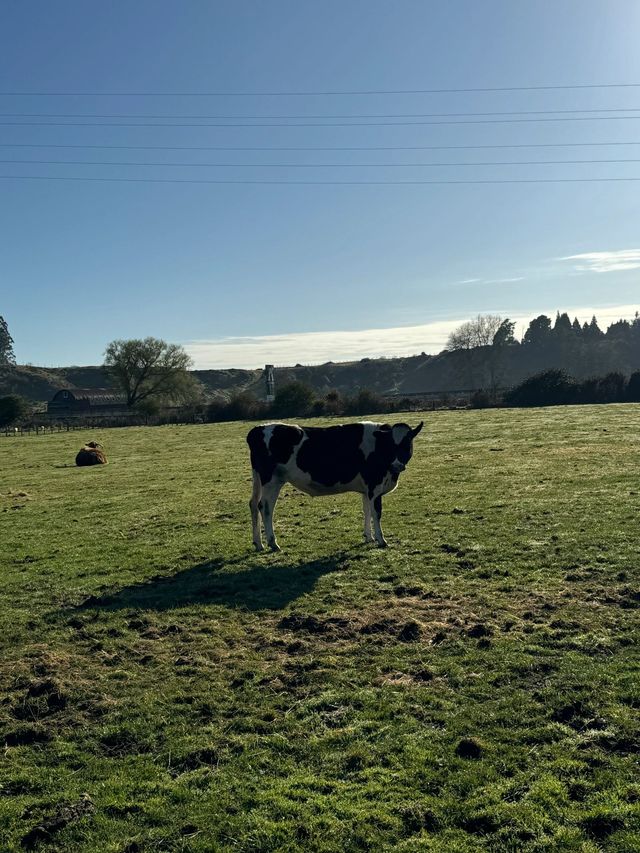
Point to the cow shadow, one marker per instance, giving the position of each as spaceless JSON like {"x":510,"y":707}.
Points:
{"x":262,"y":585}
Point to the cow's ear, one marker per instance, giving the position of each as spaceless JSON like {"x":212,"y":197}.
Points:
{"x":415,"y":431}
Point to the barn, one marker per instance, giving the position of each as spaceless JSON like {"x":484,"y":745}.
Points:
{"x":86,"y":401}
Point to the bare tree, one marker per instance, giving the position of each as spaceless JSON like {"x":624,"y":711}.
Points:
{"x":470,"y":336}
{"x":150,"y":368}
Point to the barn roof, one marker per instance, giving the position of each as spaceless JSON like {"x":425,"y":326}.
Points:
{"x":93,"y":395}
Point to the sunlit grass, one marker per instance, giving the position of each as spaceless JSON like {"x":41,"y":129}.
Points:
{"x":473,"y":687}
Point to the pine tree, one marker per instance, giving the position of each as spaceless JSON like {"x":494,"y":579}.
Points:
{"x":7,"y":355}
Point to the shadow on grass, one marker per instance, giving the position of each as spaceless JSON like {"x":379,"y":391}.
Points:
{"x":260,"y":586}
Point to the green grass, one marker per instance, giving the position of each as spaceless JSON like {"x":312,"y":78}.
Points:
{"x":473,"y":687}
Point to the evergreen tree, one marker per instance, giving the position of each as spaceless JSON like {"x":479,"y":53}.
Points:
{"x":539,"y":331}
{"x":592,"y":331}
{"x":621,"y":330}
{"x":562,"y":327}
{"x":576,"y":327}
{"x":6,"y":344}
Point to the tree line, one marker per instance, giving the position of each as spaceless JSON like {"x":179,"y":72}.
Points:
{"x":490,"y":357}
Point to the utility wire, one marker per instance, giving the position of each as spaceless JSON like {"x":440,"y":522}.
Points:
{"x":317,"y":165}
{"x":315,"y":124}
{"x":342,"y":115}
{"x":319,"y":183}
{"x":245,"y":94}
{"x":314,"y":148}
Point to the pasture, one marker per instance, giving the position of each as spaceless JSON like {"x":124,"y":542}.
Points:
{"x":473,"y":687}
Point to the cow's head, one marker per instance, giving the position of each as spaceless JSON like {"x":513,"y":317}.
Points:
{"x":403,"y":436}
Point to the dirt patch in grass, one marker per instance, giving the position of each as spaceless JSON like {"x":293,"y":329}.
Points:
{"x":27,"y":735}
{"x":65,"y":813}
{"x":42,"y":698}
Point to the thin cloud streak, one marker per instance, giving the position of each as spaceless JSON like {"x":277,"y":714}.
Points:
{"x":320,"y":347}
{"x":614,"y":261}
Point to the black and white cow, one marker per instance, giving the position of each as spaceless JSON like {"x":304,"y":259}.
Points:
{"x":365,"y":457}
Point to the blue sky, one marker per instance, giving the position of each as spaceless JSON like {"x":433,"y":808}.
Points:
{"x":243,"y":274}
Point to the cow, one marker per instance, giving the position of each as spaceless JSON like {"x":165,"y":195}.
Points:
{"x":91,"y":454}
{"x":362,"y":457}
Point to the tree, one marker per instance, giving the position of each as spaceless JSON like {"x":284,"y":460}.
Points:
{"x":539,"y":331}
{"x":478,"y":332}
{"x":293,"y":400}
{"x":620,"y":330}
{"x":13,"y":408}
{"x":6,"y":344}
{"x":504,"y":334}
{"x":150,"y":368}
{"x":562,"y":328}
{"x":591,"y":331}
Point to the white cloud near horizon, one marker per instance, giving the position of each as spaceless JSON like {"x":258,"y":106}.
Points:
{"x":614,"y":261}
{"x":319,"y":347}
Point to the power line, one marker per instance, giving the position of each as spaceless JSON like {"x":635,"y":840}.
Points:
{"x":323,"y":116}
{"x":315,"y":124}
{"x":319,"y":183}
{"x":318,"y":165}
{"x":314,"y":148}
{"x":265,"y":94}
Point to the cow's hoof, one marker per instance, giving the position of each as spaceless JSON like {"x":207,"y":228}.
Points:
{"x":274,"y":546}
{"x":367,"y":540}
{"x":382,"y":544}
{"x":258,"y":546}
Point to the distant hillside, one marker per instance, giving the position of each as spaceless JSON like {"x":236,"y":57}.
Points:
{"x":480,"y":367}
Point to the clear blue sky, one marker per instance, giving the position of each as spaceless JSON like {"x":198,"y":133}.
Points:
{"x":84,"y":263}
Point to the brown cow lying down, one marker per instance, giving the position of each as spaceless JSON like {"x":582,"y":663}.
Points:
{"x":91,"y":454}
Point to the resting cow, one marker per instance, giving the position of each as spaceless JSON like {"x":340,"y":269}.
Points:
{"x":365,"y":457}
{"x":91,"y":454}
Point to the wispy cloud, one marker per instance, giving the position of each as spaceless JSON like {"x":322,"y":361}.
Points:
{"x":621,"y":259}
{"x":491,"y":280}
{"x":319,"y":347}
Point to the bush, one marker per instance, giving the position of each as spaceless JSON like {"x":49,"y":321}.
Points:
{"x":243,"y":406}
{"x":633,"y":388}
{"x":333,"y":403}
{"x":365,"y":402}
{"x":13,"y":409}
{"x":480,"y":399}
{"x":293,"y":400}
{"x":549,"y":388}
{"x":612,"y":388}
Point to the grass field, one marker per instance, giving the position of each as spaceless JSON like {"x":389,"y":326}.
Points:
{"x":473,"y":687}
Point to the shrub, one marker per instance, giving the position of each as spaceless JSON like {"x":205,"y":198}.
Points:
{"x":633,"y":388}
{"x":549,"y":388}
{"x":293,"y":400}
{"x":333,"y":403}
{"x":13,"y":409}
{"x":243,"y":406}
{"x":365,"y":402}
{"x":480,"y":399}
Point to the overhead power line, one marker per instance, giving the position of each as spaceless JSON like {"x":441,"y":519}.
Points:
{"x":316,"y":124}
{"x":318,"y":183}
{"x":317,"y":165}
{"x":316,"y":147}
{"x":329,"y":92}
{"x":323,"y":116}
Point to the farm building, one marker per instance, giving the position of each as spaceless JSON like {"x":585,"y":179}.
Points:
{"x":86,"y":401}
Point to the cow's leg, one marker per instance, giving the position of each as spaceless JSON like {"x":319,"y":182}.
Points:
{"x":270,"y":493}
{"x":366,"y":508}
{"x":254,"y":505}
{"x":377,"y":516}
